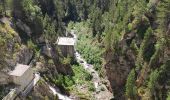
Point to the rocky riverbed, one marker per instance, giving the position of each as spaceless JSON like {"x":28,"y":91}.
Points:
{"x":101,"y":92}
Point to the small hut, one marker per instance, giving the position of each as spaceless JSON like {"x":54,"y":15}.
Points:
{"x":22,"y":75}
{"x":66,"y":45}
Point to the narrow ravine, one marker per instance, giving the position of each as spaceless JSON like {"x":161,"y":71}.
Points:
{"x":98,"y":94}
{"x":105,"y":94}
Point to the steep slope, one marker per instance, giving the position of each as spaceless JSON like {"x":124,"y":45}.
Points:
{"x":139,"y":40}
{"x":127,"y":41}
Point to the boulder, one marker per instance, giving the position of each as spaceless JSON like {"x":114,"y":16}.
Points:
{"x":42,"y":91}
{"x":24,"y":56}
{"x":46,"y":50}
{"x":23,"y":27}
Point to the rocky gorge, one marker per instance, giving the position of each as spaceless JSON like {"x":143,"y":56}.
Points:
{"x":121,"y":49}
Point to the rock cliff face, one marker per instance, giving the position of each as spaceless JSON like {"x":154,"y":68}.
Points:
{"x":42,"y":92}
{"x":15,"y":51}
{"x":118,"y":67}
{"x":145,"y":48}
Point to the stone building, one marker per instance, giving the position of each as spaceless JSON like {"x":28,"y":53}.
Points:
{"x":66,"y":46}
{"x":22,"y":75}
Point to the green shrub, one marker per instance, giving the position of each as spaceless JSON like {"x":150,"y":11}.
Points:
{"x":31,"y":45}
{"x":68,"y":81}
{"x":50,"y":61}
{"x":59,"y":80}
{"x":168,"y":96}
{"x":91,"y":87}
{"x":90,"y":52}
{"x":81,"y":75}
{"x":66,"y":60}
{"x":130,"y":26}
{"x":88,"y":76}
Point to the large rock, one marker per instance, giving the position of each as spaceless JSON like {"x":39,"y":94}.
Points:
{"x":24,"y":56}
{"x":46,"y":50}
{"x":23,"y":27}
{"x":41,"y":91}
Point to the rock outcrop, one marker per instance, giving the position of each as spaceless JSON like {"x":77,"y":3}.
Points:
{"x":23,"y":27}
{"x":24,"y":56}
{"x":42,"y":92}
{"x":117,"y":69}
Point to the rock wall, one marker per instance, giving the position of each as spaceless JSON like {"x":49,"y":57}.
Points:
{"x":117,"y":69}
{"x":24,"y":56}
{"x":42,"y":91}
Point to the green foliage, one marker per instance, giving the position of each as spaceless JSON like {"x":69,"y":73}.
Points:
{"x":30,"y":8}
{"x":88,"y":76}
{"x":66,"y":60}
{"x":104,"y":26}
{"x":81,"y":75}
{"x":50,"y":61}
{"x":65,"y":81}
{"x":165,"y":73}
{"x":134,"y":47}
{"x":163,"y":15}
{"x":50,"y":33}
{"x":153,"y":81}
{"x":5,"y":7}
{"x":82,"y":78}
{"x":130,"y":85}
{"x":91,"y":87}
{"x":144,"y":54}
{"x":59,"y":80}
{"x":168,"y":96}
{"x":68,"y":81}
{"x":158,"y":49}
{"x":31,"y":45}
{"x":96,"y":18}
{"x":88,"y":47}
{"x":130,"y":26}
{"x":111,"y":40}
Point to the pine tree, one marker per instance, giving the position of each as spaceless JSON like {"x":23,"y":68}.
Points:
{"x":163,"y":15}
{"x":153,"y":81}
{"x":130,"y":85}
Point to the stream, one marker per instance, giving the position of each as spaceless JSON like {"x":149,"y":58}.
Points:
{"x":99,"y":95}
{"x":60,"y":96}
